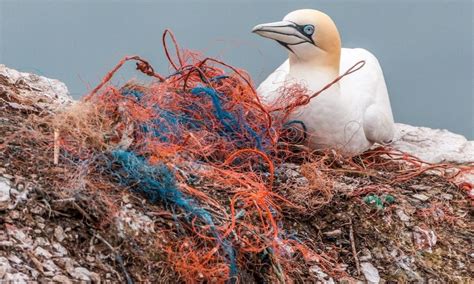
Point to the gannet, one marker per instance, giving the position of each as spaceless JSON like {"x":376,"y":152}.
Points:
{"x":351,"y":115}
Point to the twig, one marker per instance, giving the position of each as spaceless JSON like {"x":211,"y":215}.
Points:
{"x":56,"y":147}
{"x":36,"y":262}
{"x":118,"y":258}
{"x":83,"y":213}
{"x":354,"y":251}
{"x":64,"y":200}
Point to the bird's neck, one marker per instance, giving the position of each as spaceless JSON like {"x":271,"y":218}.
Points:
{"x":314,"y":74}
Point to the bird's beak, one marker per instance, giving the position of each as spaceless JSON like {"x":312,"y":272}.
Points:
{"x":284,"y":32}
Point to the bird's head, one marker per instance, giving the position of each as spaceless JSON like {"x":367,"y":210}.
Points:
{"x":309,"y":35}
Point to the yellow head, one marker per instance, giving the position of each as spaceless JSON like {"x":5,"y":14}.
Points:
{"x":309,"y":35}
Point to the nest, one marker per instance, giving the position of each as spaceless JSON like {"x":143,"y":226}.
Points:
{"x":220,"y":169}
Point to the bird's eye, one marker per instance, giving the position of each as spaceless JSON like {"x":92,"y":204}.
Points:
{"x":308,"y":30}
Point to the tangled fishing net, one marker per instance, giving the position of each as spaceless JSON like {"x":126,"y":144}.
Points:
{"x":204,"y":125}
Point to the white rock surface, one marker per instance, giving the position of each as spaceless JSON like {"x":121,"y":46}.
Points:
{"x":17,"y":278}
{"x":130,"y":220}
{"x":371,"y":273}
{"x":4,"y":193}
{"x":4,"y":267}
{"x":41,"y":90}
{"x":433,"y":145}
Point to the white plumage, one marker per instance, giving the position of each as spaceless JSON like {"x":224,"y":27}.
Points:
{"x":354,"y":113}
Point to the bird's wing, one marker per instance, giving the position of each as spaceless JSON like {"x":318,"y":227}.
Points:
{"x":366,"y":88}
{"x":268,"y":88}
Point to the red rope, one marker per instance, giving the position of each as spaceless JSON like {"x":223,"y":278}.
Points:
{"x":142,"y":65}
{"x":304,"y":100}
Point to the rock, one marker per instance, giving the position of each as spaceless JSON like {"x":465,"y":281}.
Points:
{"x":14,"y":214}
{"x":50,"y":265}
{"x":407,"y":264}
{"x":41,"y":252}
{"x":95,"y":277}
{"x":366,"y":255}
{"x":319,"y":274}
{"x":433,"y":145}
{"x":44,"y":92}
{"x":68,"y":264}
{"x":4,"y":193}
{"x":7,"y":176}
{"x":17,"y":278}
{"x":20,"y":193}
{"x":59,"y":233}
{"x":334,"y":233}
{"x":401,"y":214}
{"x":6,"y":243}
{"x":20,"y":236}
{"x":4,"y":267}
{"x":60,"y":250}
{"x":420,"y":187}
{"x":62,"y":279}
{"x":371,"y":273}
{"x":447,"y":196}
{"x":40,"y":241}
{"x":15,"y":259}
{"x":421,"y":197}
{"x":81,"y":273}
{"x":131,"y":220}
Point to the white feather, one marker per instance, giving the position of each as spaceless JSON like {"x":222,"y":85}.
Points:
{"x":351,"y":115}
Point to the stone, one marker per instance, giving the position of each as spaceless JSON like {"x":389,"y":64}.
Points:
{"x":447,"y":196}
{"x":319,"y":274}
{"x":4,"y":267}
{"x":95,"y":277}
{"x":41,"y":252}
{"x":34,"y":273}
{"x":420,"y":187}
{"x":4,"y":193}
{"x":433,"y":145}
{"x":17,"y":278}
{"x":6,"y":243}
{"x":7,"y":176}
{"x":62,"y":279}
{"x":334,"y":233}
{"x":59,"y":234}
{"x":15,"y":259}
{"x":371,"y":273}
{"x":421,"y":197}
{"x":81,"y":273}
{"x":131,"y":220}
{"x":366,"y":255}
{"x":14,"y":214}
{"x":60,"y":250}
{"x":401,"y":214}
{"x":20,"y":236}
{"x":40,"y":241}
{"x":68,"y":264}
{"x":50,"y":265}
{"x":46,"y":93}
{"x":407,"y":264}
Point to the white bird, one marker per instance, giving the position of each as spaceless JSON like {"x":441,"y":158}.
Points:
{"x":352,"y":114}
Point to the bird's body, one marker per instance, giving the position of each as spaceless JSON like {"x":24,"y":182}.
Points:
{"x":352,"y":114}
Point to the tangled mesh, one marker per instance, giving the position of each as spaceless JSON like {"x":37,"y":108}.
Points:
{"x":205,"y":122}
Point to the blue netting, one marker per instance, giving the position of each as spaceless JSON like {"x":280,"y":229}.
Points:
{"x":158,"y":183}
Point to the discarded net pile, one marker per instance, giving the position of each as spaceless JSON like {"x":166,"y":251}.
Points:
{"x":200,"y":122}
{"x":205,"y":122}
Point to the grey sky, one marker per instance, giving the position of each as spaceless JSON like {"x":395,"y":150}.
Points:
{"x":424,"y":47}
